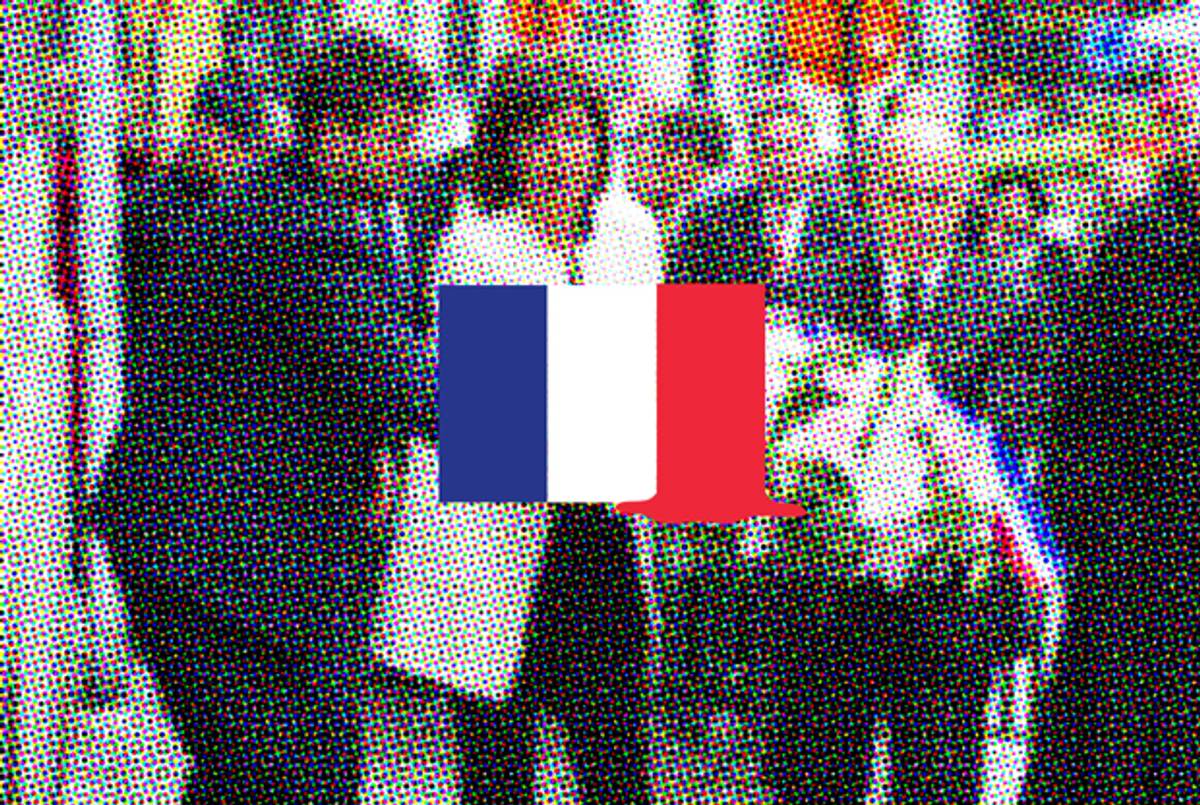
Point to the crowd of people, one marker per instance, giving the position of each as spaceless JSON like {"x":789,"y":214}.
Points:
{"x":280,"y":316}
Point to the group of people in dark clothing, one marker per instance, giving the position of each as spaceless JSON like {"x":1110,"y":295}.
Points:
{"x":278,"y":332}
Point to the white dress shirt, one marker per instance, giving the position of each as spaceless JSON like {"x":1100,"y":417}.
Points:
{"x":789,"y":235}
{"x":626,"y":247}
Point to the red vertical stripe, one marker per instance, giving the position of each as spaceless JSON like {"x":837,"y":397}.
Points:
{"x":712,"y":442}
{"x":66,"y":219}
{"x":1006,"y":538}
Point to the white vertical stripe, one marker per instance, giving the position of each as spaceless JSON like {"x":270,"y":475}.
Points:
{"x":602,"y":393}
{"x":99,"y":225}
{"x":39,"y":634}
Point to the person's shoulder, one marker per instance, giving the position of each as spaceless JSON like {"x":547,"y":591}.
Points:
{"x":1158,"y":217}
{"x":167,"y":193}
{"x":724,"y":212}
{"x":286,"y":204}
{"x":436,"y":184}
{"x":1134,"y":236}
{"x":734,"y":202}
{"x":1056,"y":261}
{"x":445,"y":169}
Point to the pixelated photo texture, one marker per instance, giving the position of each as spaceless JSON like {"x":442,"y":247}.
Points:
{"x":609,"y":402}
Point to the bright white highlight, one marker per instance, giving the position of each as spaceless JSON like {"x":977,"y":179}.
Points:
{"x":601,"y":393}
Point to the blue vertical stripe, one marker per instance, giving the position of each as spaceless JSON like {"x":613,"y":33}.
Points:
{"x":492,"y":393}
{"x":1030,"y":503}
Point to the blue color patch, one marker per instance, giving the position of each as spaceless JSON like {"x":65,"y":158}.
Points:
{"x":492,"y":393}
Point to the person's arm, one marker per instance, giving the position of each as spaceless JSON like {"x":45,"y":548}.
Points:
{"x":958,"y":357}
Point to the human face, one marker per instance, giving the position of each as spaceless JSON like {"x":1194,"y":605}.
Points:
{"x":1011,"y":214}
{"x":917,"y":205}
{"x":559,"y":166}
{"x":663,"y":179}
{"x":221,"y":155}
{"x":382,"y":153}
{"x":785,"y":155}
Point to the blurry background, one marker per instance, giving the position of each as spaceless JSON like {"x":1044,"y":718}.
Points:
{"x":1069,"y":88}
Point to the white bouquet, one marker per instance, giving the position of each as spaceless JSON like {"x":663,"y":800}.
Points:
{"x":898,"y":484}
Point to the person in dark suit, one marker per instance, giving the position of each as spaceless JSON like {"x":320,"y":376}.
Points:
{"x":918,"y":654}
{"x":996,"y":319}
{"x":790,"y":227}
{"x":267,"y":332}
{"x":672,"y":156}
{"x":1118,"y":721}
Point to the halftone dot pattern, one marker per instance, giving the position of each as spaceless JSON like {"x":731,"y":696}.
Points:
{"x":227,"y":577}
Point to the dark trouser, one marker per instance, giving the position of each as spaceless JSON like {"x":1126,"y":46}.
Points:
{"x":1118,"y":723}
{"x":910,"y":658}
{"x":605,"y":747}
{"x":586,"y":667}
{"x":263,"y":722}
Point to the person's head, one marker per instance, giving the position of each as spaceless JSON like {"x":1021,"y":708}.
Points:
{"x":784,"y":148}
{"x":228,"y":129}
{"x":674,"y":155}
{"x":917,"y":186}
{"x":542,"y":143}
{"x":1011,"y":202}
{"x":359,"y":104}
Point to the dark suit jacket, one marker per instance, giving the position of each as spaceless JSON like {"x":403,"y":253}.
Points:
{"x":432,"y":199}
{"x":266,"y":355}
{"x":1122,"y":481}
{"x":840,"y":278}
{"x":996,"y":345}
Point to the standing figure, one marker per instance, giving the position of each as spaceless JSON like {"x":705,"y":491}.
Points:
{"x":268,"y":329}
{"x":998,"y":317}
{"x":859,"y":651}
{"x":1119,"y":721}
{"x":542,"y":161}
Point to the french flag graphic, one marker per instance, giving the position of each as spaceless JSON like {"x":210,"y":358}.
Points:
{"x":547,"y":393}
{"x":650,"y":397}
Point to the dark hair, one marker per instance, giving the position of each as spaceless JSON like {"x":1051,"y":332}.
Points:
{"x":353,"y":78}
{"x":997,"y":183}
{"x":1001,"y":181}
{"x":224,"y":100}
{"x":694,"y":132}
{"x":522,"y":96}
